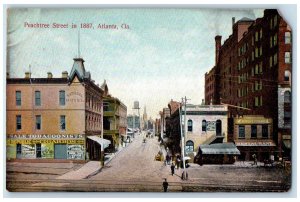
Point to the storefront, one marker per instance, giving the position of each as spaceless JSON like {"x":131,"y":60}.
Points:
{"x":219,"y":153}
{"x":46,"y":147}
{"x":262,"y":149}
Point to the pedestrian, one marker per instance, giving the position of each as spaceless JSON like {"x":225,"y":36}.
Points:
{"x":168,"y":159}
{"x":165,"y":185}
{"x":172,"y":169}
{"x":178,"y":162}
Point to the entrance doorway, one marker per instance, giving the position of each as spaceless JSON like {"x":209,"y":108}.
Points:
{"x":219,"y":128}
{"x":60,"y":151}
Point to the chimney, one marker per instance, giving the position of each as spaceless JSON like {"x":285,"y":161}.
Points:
{"x":203,"y":103}
{"x":218,"y":46}
{"x":27,"y":75}
{"x":233,"y":21}
{"x":64,"y":74}
{"x":49,"y":75}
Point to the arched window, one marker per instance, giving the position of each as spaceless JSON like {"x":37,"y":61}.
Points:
{"x":287,"y":75}
{"x":204,"y":125}
{"x":189,"y":146}
{"x":190,"y":125}
{"x":287,"y":97}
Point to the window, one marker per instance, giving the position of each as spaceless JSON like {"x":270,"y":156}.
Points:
{"x":19,"y":150}
{"x":38,"y":151}
{"x":287,"y":38}
{"x":38,"y":122}
{"x":265,"y":133}
{"x":286,"y":75}
{"x":260,"y":34}
{"x":256,"y":52}
{"x":241,"y":131}
{"x":260,"y":51}
{"x":189,"y":146}
{"x":275,"y":58}
{"x":37,"y":98}
{"x":271,"y":61}
{"x":19,"y":122}
{"x":287,"y":97}
{"x":271,"y":23}
{"x":256,"y":36}
{"x":62,"y":98}
{"x":190,"y":125}
{"x":204,"y":125}
{"x":287,"y":118}
{"x":271,"y":42}
{"x":258,"y":101}
{"x":275,"y":20}
{"x":275,"y":40}
{"x":256,"y":69}
{"x":63,"y":122}
{"x":18,"y":98}
{"x":253,"y":131}
{"x":260,"y":68}
{"x":287,"y":57}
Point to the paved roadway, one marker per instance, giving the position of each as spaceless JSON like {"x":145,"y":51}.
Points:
{"x":134,"y":169}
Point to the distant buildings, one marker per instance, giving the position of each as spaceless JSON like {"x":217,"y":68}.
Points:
{"x":133,"y":121}
{"x":252,"y":74}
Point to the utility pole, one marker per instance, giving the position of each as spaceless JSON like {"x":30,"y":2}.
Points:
{"x":183,"y":136}
{"x":102,"y":138}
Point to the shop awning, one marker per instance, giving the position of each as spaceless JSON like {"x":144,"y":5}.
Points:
{"x":99,"y":140}
{"x":219,"y":148}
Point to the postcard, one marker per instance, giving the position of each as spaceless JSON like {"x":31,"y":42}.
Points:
{"x":148,"y":100}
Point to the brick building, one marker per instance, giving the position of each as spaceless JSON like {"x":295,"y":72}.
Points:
{"x":252,"y":73}
{"x":54,"y":118}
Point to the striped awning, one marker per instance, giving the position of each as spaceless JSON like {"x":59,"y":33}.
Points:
{"x":220,"y":148}
{"x":101,"y":141}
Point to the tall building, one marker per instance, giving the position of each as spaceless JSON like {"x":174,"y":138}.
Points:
{"x":54,"y":118}
{"x":145,"y":119}
{"x":252,"y":73}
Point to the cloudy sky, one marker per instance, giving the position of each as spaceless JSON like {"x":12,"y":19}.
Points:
{"x":163,"y":56}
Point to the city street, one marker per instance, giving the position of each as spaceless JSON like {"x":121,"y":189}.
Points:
{"x":134,"y":169}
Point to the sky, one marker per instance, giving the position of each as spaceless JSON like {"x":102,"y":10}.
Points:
{"x":162,"y":56}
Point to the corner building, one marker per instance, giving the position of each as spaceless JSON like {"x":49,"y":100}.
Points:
{"x":253,"y":73}
{"x":52,"y":118}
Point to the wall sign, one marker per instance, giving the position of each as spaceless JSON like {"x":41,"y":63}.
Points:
{"x":210,"y":125}
{"x":75,"y":152}
{"x":75,"y":96}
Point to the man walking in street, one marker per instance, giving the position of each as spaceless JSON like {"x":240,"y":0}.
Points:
{"x":172,"y":168}
{"x":165,"y":185}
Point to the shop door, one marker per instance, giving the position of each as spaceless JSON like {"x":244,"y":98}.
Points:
{"x":60,"y":151}
{"x":19,"y":151}
{"x":38,"y":151}
{"x":219,"y":128}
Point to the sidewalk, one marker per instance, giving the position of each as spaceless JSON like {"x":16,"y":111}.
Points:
{"x":83,"y":172}
{"x":90,"y":168}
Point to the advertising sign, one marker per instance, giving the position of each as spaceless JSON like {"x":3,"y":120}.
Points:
{"x":75,"y":152}
{"x":28,"y":151}
{"x":47,"y":151}
{"x":11,"y":151}
{"x":211,"y":125}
